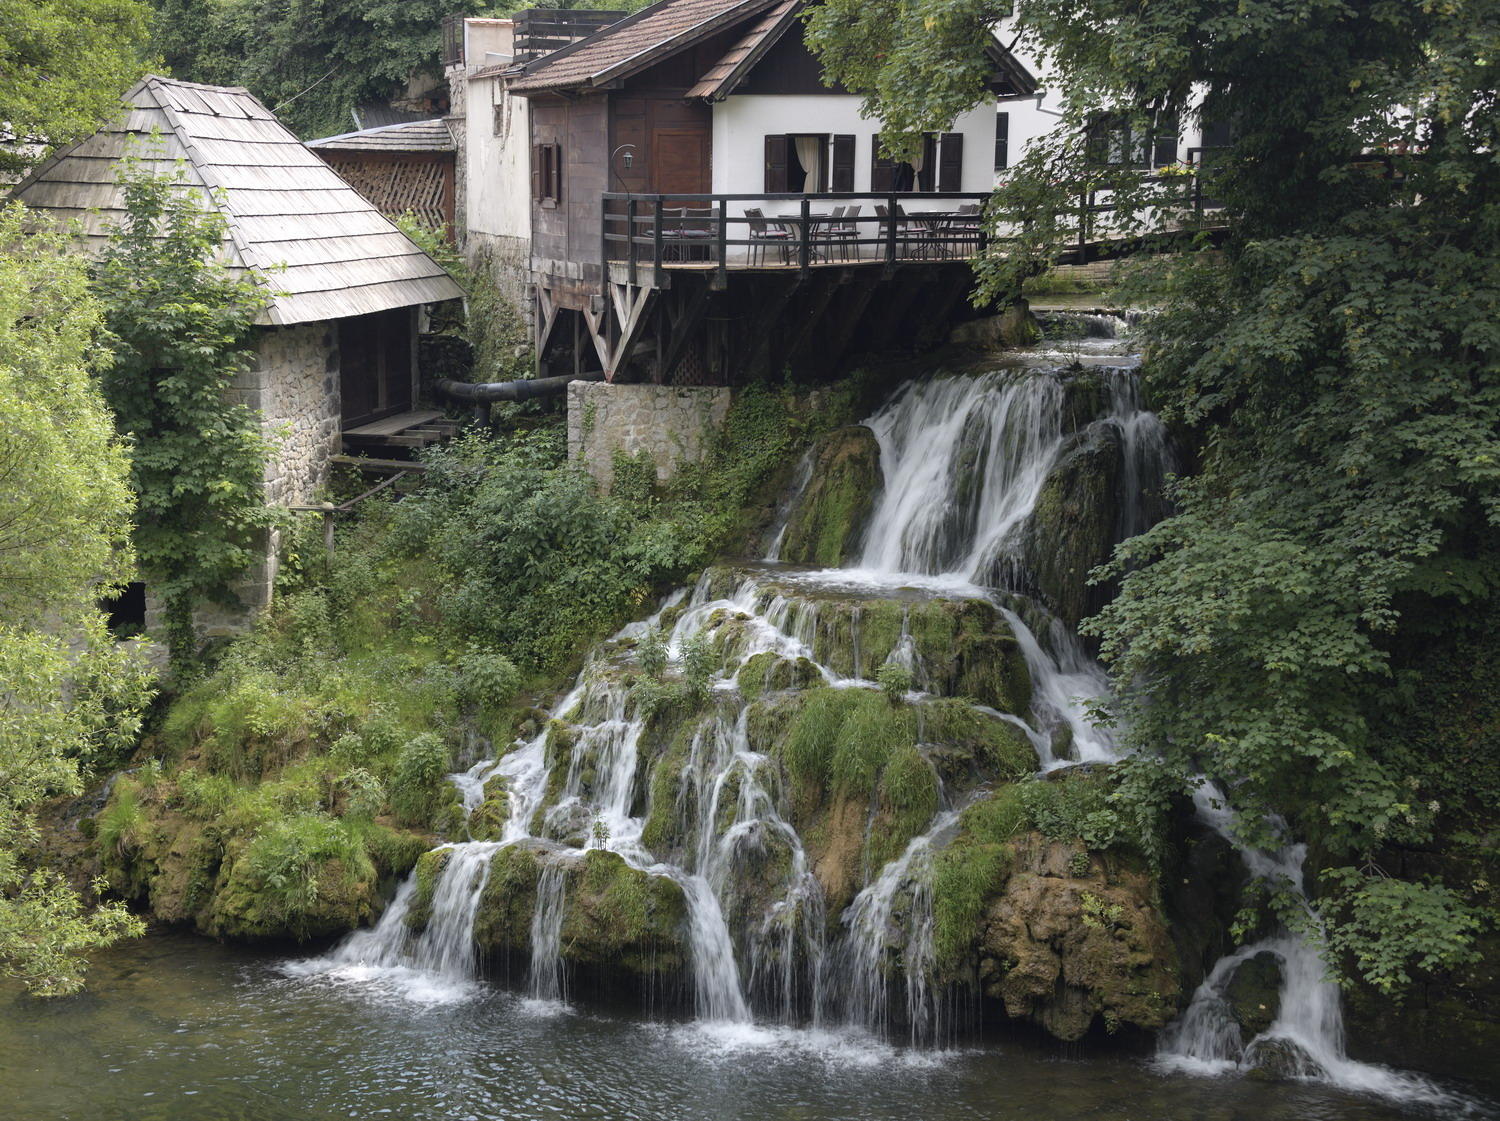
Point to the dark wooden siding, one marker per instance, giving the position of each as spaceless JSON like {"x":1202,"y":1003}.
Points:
{"x":664,"y":133}
{"x":788,"y":67}
{"x":569,"y":231}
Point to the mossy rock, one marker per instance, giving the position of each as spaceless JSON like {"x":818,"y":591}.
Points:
{"x":1068,"y":939}
{"x":617,"y":917}
{"x":769,"y":672}
{"x":334,"y":897}
{"x":429,"y":870}
{"x":1254,"y":994}
{"x":669,"y":817}
{"x":487,"y":821}
{"x":1086,"y":398}
{"x":1072,"y":528}
{"x":966,"y":743}
{"x":502,"y":921}
{"x":829,"y":518}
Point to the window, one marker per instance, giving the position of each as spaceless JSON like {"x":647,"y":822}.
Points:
{"x":808,"y":163}
{"x":940,"y":167}
{"x":1144,"y":142}
{"x":546,"y":173}
{"x":497,"y":119}
{"x":1002,"y":141}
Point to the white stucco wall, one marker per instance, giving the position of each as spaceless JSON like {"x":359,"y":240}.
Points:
{"x":742,"y":121}
{"x":497,"y":166}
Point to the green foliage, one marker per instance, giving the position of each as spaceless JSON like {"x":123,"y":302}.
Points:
{"x":66,"y":63}
{"x":72,"y":699}
{"x":312,"y":63}
{"x":698,"y":665}
{"x":1074,"y":809}
{"x":288,"y":859}
{"x":179,"y":322}
{"x":652,"y":652}
{"x":1331,"y":368}
{"x":843,"y":738}
{"x":416,"y":779}
{"x":895,"y":681}
{"x":487,"y":680}
{"x":633,"y":477}
{"x":1390,"y":927}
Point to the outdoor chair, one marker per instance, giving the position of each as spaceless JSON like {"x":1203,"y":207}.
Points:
{"x":846,"y":232}
{"x":764,"y":232}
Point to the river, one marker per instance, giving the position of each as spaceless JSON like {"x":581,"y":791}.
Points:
{"x":175,"y":1028}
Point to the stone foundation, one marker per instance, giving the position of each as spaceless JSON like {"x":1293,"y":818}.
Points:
{"x":674,"y":424}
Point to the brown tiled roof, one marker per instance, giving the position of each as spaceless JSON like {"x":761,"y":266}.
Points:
{"x":730,"y":70}
{"x":634,"y":43}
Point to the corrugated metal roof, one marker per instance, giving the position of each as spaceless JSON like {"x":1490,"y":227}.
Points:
{"x":632,"y":44}
{"x":325,"y":251}
{"x":411,"y":136}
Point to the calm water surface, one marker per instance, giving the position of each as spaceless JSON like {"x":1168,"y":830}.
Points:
{"x":178,"y":1029}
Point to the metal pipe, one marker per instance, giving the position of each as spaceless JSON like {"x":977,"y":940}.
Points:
{"x":488,"y":392}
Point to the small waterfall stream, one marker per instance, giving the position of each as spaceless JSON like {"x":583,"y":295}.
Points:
{"x":964,"y":460}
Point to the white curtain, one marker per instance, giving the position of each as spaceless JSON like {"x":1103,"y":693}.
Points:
{"x":810,"y":155}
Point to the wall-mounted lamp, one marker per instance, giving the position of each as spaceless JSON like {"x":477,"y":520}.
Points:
{"x":627,"y":160}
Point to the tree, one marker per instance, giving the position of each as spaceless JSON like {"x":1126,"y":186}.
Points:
{"x":1334,"y":370}
{"x":180,"y":322}
{"x":70,"y":694}
{"x":65,"y":64}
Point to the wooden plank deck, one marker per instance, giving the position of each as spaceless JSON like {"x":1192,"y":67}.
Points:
{"x":395,"y":425}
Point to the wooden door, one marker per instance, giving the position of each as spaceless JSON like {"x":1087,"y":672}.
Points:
{"x":680,"y":161}
{"x":374,"y":366}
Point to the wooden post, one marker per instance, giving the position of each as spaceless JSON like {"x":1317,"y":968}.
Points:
{"x":630,"y":238}
{"x":806,"y":246}
{"x":656,"y":245}
{"x":723,"y":209}
{"x":890,"y":231}
{"x":328,"y":510}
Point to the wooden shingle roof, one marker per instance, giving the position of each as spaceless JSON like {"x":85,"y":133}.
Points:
{"x":634,"y":43}
{"x":408,"y":136}
{"x":730,"y":70}
{"x":324,"y":250}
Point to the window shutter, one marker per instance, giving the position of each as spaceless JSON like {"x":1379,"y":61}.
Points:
{"x":776,"y":163}
{"x":882,"y":169}
{"x":843,"y":164}
{"x":951,"y":162}
{"x":536,"y":170}
{"x":554,"y":169}
{"x":1002,"y":141}
{"x":1165,"y":144}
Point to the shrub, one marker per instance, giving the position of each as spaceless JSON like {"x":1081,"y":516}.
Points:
{"x":420,"y":768}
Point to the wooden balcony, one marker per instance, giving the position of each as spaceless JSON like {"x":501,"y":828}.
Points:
{"x":648,"y":237}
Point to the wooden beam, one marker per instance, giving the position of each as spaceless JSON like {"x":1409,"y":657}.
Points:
{"x":851,"y":313}
{"x":680,"y":329}
{"x":811,"y":315}
{"x":763,"y":319}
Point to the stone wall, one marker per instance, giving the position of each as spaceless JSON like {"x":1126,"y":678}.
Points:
{"x":294,"y":383}
{"x":673,"y":423}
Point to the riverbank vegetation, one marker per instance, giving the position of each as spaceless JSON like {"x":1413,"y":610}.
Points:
{"x":309,"y":765}
{"x":72,"y":700}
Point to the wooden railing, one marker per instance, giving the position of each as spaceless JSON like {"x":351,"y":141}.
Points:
{"x":792,"y":231}
{"x":736,"y":232}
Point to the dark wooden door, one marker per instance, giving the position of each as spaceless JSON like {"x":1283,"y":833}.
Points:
{"x":374,"y":366}
{"x":680,"y":161}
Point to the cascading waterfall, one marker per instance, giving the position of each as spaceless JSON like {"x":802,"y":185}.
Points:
{"x":1306,"y":1040}
{"x":964,"y":460}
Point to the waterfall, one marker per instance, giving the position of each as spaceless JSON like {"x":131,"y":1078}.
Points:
{"x":964,"y":460}
{"x":1306,"y":1040}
